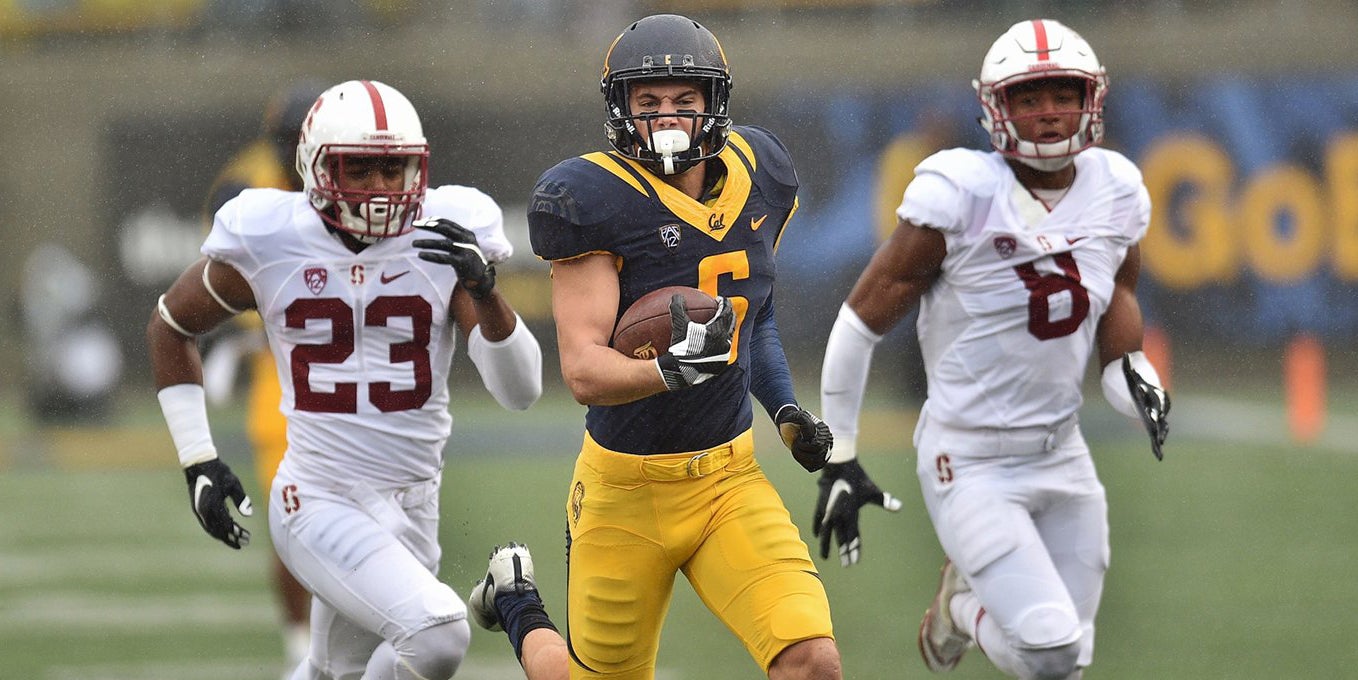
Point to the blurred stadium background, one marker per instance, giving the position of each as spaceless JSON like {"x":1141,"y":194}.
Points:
{"x":1232,"y":558}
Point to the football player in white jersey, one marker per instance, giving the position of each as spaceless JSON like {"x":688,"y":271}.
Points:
{"x":360,"y":310}
{"x":1023,"y":260}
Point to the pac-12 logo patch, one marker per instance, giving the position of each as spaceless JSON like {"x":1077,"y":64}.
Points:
{"x":669,"y":235}
{"x":315,"y":278}
{"x":1005,"y":246}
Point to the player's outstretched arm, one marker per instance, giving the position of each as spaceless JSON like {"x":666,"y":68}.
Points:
{"x":204,"y":296}
{"x":900,"y":272}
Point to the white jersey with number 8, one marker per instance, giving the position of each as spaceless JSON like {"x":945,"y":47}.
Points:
{"x":1007,"y":329}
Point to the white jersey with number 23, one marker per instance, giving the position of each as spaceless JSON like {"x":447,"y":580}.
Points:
{"x":363,"y":341}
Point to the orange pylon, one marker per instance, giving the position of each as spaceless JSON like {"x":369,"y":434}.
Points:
{"x":1304,"y":380}
{"x":1155,"y":343}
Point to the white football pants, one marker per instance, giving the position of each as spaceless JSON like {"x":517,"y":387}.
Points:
{"x":369,"y":557}
{"x":1024,"y":517}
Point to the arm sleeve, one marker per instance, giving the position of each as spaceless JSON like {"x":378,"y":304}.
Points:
{"x":771,"y":380}
{"x":511,"y":369}
{"x":843,"y":379}
{"x":1115,"y":388}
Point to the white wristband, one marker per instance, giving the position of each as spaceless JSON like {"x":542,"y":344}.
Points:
{"x":185,"y":409}
{"x":1115,"y":388}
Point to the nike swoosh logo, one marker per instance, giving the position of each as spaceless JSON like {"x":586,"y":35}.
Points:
{"x":389,"y":279}
{"x":755,"y":224}
{"x":199,"y":487}
{"x":1073,"y":241}
{"x":838,"y":490}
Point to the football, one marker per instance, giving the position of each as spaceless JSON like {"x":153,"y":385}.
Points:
{"x":643,"y":331}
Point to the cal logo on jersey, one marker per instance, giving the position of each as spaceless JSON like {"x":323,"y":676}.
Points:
{"x":669,"y":235}
{"x":315,"y":278}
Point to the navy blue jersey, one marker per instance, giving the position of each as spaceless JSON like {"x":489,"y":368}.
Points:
{"x":604,"y":203}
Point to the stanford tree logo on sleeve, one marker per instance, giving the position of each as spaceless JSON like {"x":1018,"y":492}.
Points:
{"x":315,"y":278}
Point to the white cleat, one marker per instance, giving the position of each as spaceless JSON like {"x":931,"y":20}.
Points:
{"x":941,"y":642}
{"x":510,"y":569}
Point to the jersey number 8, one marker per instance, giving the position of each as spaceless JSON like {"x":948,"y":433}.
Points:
{"x":1041,"y":288}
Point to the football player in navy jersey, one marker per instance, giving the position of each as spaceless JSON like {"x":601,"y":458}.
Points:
{"x":666,"y":480}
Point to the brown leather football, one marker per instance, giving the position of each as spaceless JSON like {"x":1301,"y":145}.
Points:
{"x":643,"y":331}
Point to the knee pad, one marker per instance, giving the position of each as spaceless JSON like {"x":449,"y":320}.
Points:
{"x":1049,"y":637}
{"x":1048,"y":626}
{"x":1053,"y":663}
{"x":433,"y":653}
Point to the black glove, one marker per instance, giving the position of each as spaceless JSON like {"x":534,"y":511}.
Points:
{"x":459,"y":250}
{"x":805,"y":435}
{"x":698,"y":351}
{"x":844,"y":489}
{"x":211,"y":483}
{"x":1153,"y":403}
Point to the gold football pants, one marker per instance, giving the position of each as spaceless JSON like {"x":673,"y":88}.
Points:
{"x":634,"y":521}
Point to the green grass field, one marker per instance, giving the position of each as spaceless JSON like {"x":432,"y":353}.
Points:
{"x":1231,"y":559}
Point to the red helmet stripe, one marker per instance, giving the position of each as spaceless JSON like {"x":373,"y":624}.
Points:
{"x":380,"y":109}
{"x":1043,"y":51}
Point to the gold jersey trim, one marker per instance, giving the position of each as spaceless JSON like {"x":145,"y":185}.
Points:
{"x":716,"y":219}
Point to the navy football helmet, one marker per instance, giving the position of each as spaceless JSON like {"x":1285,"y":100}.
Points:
{"x":666,"y":46}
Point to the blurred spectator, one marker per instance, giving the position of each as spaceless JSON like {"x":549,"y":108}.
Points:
{"x":74,"y":359}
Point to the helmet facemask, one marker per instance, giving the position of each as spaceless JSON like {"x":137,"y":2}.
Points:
{"x":365,"y":213}
{"x":1000,"y":123}
{"x":663,"y":152}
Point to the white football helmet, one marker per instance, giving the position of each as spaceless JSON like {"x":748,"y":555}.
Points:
{"x":363,"y":118}
{"x":1041,"y":48}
